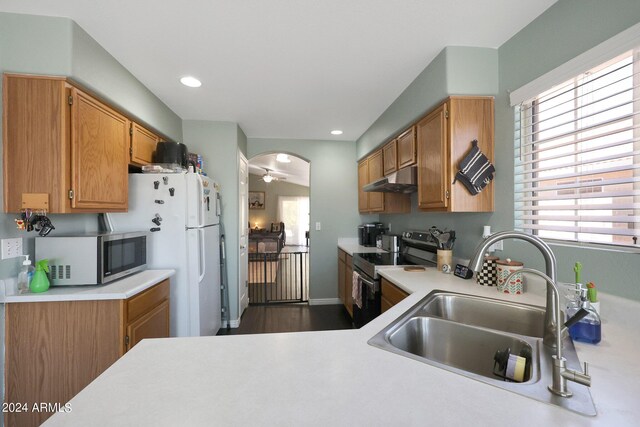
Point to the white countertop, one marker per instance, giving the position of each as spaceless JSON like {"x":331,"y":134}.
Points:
{"x":334,"y":378}
{"x":351,"y":246}
{"x":120,"y":289}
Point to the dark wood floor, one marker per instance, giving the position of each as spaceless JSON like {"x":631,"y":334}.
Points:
{"x":291,"y":318}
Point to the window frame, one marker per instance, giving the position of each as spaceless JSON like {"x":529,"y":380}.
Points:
{"x":522,"y":217}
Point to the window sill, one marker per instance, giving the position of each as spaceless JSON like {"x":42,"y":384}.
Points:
{"x":594,"y":246}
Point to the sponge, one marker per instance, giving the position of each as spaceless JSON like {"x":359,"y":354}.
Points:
{"x":516,"y":367}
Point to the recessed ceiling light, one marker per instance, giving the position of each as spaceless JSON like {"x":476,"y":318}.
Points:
{"x":336,"y":132}
{"x":283,"y":158}
{"x":190,"y":81}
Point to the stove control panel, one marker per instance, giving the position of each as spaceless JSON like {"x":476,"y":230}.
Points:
{"x":419,"y":236}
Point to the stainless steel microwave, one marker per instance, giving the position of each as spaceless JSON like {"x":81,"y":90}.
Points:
{"x":92,"y":259}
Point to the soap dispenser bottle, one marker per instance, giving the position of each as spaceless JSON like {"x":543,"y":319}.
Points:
{"x":40,"y":281}
{"x":25,"y":275}
{"x":588,"y":329}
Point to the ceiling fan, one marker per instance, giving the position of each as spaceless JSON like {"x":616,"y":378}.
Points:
{"x":267,"y":177}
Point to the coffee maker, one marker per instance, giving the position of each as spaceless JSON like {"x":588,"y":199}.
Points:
{"x":368,"y":233}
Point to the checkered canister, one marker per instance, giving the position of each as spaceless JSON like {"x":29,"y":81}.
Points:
{"x":488,"y":276}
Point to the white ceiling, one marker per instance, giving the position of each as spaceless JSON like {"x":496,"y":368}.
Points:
{"x":286,"y":68}
{"x":295,"y":172}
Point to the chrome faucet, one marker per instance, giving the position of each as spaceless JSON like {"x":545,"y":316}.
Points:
{"x":560,"y":373}
{"x":553,"y":322}
{"x":551,"y":313}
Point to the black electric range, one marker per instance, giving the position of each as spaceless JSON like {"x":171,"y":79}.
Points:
{"x":417,"y":249}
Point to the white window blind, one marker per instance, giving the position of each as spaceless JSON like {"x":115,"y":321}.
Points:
{"x":577,"y":157}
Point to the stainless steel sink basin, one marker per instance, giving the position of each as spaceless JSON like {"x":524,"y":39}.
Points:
{"x":489,"y":313}
{"x":455,"y":345}
{"x":461,"y":333}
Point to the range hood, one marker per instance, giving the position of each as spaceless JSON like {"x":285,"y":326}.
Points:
{"x":403,"y":181}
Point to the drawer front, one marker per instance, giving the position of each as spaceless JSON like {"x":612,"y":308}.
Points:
{"x":392,"y":293}
{"x":147,"y":300}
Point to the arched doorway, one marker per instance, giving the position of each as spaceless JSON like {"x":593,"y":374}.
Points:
{"x":278,"y":244}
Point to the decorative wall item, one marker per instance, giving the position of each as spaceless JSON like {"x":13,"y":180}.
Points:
{"x":256,"y":199}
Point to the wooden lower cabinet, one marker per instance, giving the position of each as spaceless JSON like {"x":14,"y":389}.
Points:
{"x":345,"y":274}
{"x":348,"y":295}
{"x":55,"y":349}
{"x":391,"y":295}
{"x":341,"y":275}
{"x":153,"y":324}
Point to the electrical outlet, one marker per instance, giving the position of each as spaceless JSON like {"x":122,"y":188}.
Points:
{"x":498,"y":246}
{"x":11,"y":248}
{"x":318,"y":226}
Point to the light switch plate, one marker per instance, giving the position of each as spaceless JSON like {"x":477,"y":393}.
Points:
{"x":11,"y":248}
{"x":318,"y":226}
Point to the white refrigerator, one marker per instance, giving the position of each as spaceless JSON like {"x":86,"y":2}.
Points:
{"x":181,"y":214}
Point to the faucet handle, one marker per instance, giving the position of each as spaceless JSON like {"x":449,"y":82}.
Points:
{"x":586,"y":369}
{"x":580,"y":314}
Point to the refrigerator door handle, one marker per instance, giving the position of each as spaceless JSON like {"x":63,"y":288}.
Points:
{"x":201,"y":258}
{"x":201,"y":202}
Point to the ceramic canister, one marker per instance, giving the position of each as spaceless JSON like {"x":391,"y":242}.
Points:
{"x":488,"y":276}
{"x":516,"y":284}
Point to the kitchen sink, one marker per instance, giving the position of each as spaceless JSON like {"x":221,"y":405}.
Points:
{"x":455,"y":345}
{"x":489,"y":313}
{"x":461,"y":333}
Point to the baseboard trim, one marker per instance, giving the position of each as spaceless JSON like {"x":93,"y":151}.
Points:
{"x":324,"y":301}
{"x":233,"y":324}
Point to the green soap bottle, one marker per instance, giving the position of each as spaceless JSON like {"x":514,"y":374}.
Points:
{"x":40,"y":281}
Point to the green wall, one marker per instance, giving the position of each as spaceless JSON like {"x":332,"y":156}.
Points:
{"x":333,"y":198}
{"x":273,"y":190}
{"x":57,"y":46}
{"x":564,"y":31}
{"x":93,"y":66}
{"x":455,"y":71}
{"x":219,"y":143}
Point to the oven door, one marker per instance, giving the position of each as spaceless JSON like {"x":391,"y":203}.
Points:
{"x":121,"y":255}
{"x":370,"y":309}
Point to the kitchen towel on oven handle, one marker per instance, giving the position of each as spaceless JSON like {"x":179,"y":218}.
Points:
{"x":476,"y":171}
{"x":356,"y":289}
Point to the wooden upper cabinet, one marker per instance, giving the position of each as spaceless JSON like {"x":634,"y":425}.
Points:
{"x":407,"y":148}
{"x":433,"y":189}
{"x":35,"y":129}
{"x":444,"y":138}
{"x":99,"y":154}
{"x":63,"y":146}
{"x":363,"y":177}
{"x":369,"y":170}
{"x":376,"y":171}
{"x":143,"y":145}
{"x":389,"y":155}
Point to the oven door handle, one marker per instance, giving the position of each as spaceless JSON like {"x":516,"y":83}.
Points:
{"x":366,"y":281}
{"x":374,"y":286}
